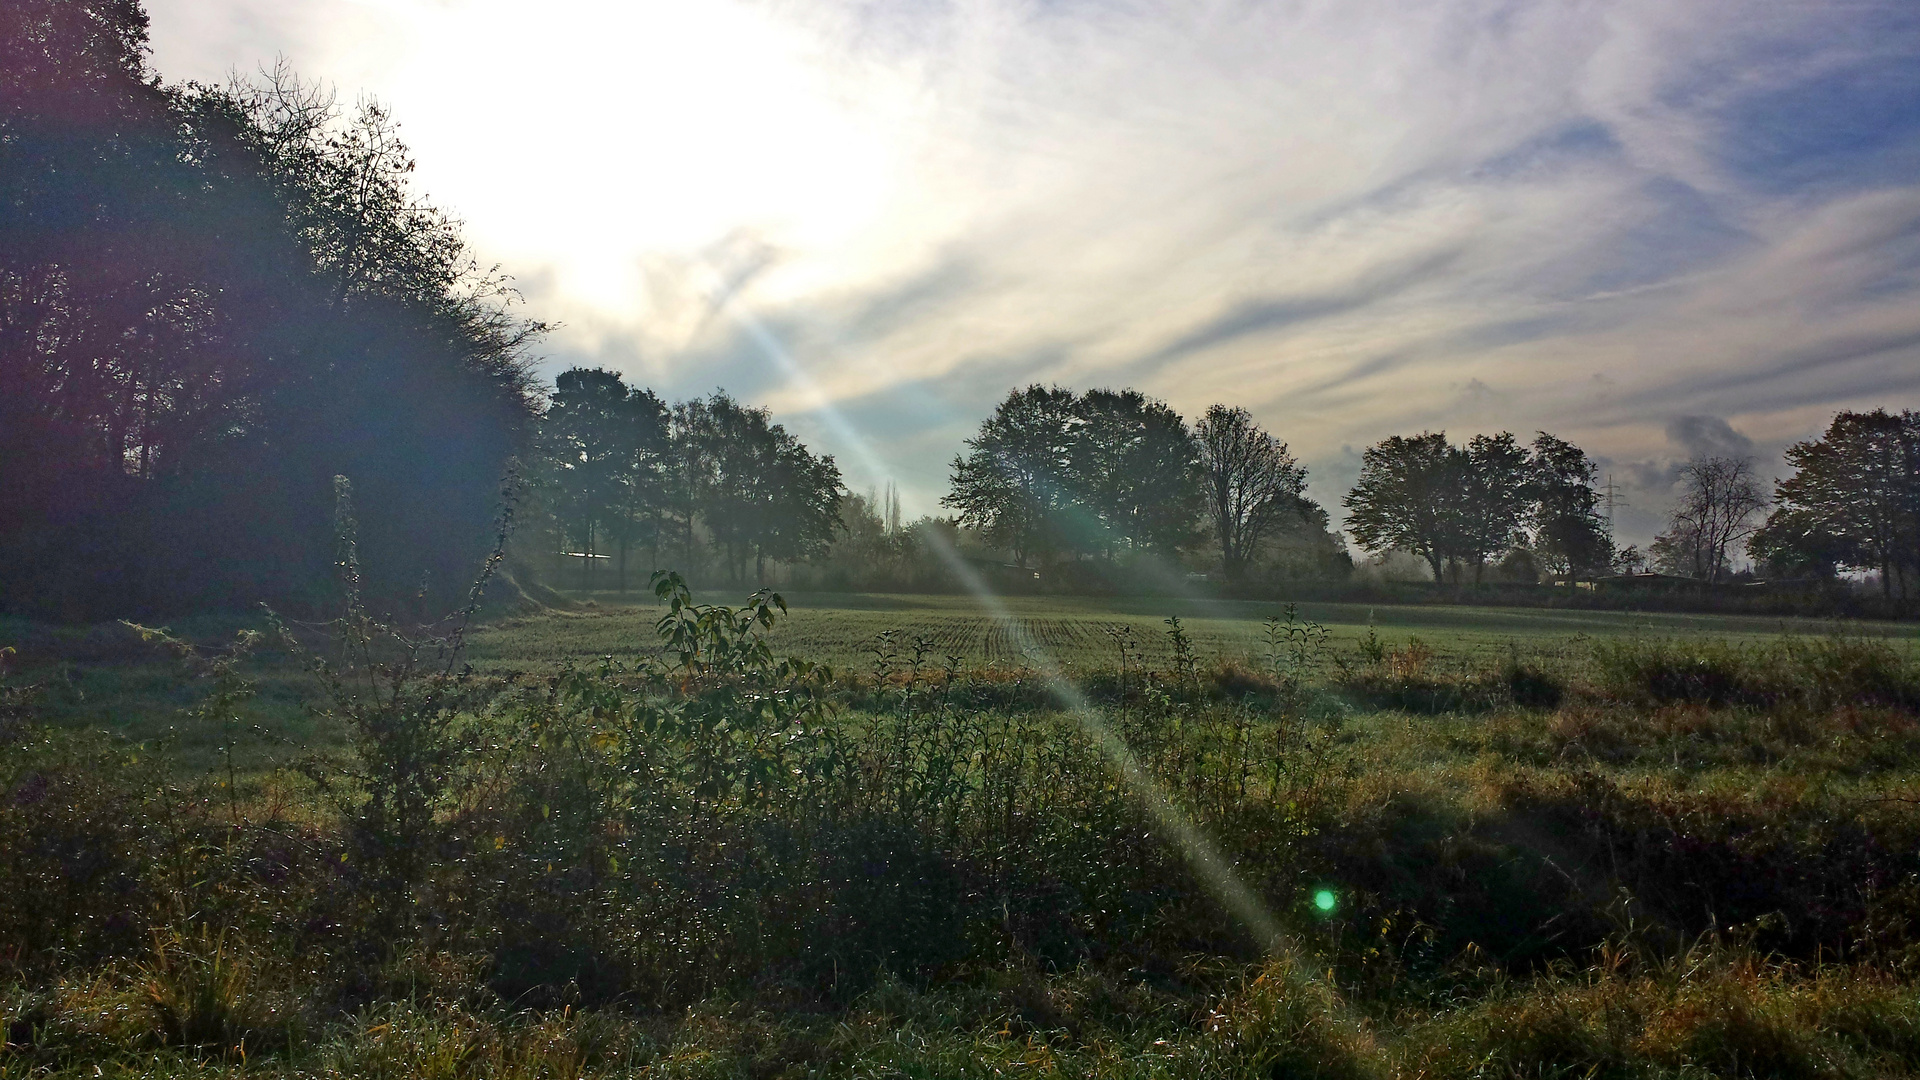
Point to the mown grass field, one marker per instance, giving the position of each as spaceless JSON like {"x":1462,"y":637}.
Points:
{"x":102,"y":679}
{"x":842,"y":629}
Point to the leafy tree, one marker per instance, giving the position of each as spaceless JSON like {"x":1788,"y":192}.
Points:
{"x":1014,"y":483}
{"x":190,"y":350}
{"x":1718,"y":501}
{"x":605,"y":446}
{"x":1854,"y":501}
{"x":1794,"y":543}
{"x":1132,"y":468}
{"x":1053,"y":474}
{"x":1492,"y":499}
{"x":758,"y":491}
{"x":1406,"y":498}
{"x":1568,"y":532}
{"x":804,"y":511}
{"x":1454,"y":505}
{"x":1252,"y":484}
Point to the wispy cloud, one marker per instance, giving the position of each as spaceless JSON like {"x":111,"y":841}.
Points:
{"x":1355,"y":217}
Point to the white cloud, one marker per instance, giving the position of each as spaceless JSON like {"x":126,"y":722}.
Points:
{"x":1337,"y":213}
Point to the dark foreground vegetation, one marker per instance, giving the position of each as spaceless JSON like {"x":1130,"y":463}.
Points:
{"x":1661,"y":858}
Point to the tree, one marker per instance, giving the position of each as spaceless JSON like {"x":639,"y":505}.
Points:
{"x":1251,"y":483}
{"x":804,"y":504}
{"x":1568,"y":532}
{"x":604,"y":449}
{"x":1014,"y":483}
{"x":190,"y":350}
{"x":758,"y":490}
{"x":1405,"y":498}
{"x":1455,"y":505}
{"x":1854,"y":501}
{"x":1718,"y":501}
{"x":1132,"y":474}
{"x":1491,"y":499}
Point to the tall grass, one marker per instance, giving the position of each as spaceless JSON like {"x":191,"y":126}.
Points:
{"x":1672,"y":859}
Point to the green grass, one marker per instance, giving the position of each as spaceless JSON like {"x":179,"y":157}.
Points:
{"x":1562,"y":844}
{"x":97,"y":679}
{"x":840,"y":628}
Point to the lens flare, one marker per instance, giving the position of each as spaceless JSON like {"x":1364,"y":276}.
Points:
{"x":1213,"y":870}
{"x":1325,"y":901}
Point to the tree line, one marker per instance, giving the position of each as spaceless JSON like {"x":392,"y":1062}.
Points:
{"x":1057,"y":476}
{"x":213,"y":300}
{"x":620,"y":471}
{"x":1054,"y":476}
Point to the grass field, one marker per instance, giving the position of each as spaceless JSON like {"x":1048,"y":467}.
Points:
{"x":841,"y":629}
{"x":99,"y":679}
{"x":1539,"y":844}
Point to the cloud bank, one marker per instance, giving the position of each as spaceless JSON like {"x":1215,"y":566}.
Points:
{"x":1642,"y":225}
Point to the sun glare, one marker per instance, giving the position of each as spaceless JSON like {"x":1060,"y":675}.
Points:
{"x":609,"y":130}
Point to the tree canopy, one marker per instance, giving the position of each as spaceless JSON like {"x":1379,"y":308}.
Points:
{"x":1252,"y":483}
{"x":1460,"y":506}
{"x":1853,"y":501}
{"x":621,"y":470}
{"x":212,"y":301}
{"x":1053,"y":474}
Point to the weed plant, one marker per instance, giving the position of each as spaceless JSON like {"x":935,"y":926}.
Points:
{"x":695,"y":857}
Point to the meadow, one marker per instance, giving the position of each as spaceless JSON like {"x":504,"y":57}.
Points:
{"x":1391,"y":842}
{"x":842,"y":628}
{"x":104,"y":678}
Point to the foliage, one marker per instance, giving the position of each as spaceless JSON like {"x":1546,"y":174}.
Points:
{"x":211,"y":302}
{"x":1053,"y":475}
{"x":1568,"y":531}
{"x":1854,"y":501}
{"x":604,"y":460}
{"x":759,"y":492}
{"x":1457,"y":506}
{"x":1015,"y":484}
{"x":1252,"y":483}
{"x":708,"y":857}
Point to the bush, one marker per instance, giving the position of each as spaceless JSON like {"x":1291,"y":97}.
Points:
{"x":1819,"y":673}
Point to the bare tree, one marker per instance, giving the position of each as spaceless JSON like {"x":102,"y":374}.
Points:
{"x":1718,"y":503}
{"x":1252,"y":482}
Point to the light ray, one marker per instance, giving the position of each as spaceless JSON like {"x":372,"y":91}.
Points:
{"x":1213,"y":869}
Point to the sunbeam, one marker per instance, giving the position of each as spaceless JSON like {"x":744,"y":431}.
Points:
{"x":1212,"y":869}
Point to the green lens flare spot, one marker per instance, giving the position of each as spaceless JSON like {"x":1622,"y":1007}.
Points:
{"x":1325,"y":900}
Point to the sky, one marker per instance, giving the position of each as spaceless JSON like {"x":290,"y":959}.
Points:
{"x":1657,"y":228}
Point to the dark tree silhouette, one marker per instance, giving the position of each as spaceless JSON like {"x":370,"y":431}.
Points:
{"x":1853,"y":501}
{"x":1133,"y":471}
{"x":211,"y":303}
{"x":759,"y":491}
{"x":1449,"y":505}
{"x":1568,"y":531}
{"x":1491,"y":500}
{"x":1252,"y":483}
{"x":1014,"y":483}
{"x":604,"y":454}
{"x":1406,"y":498}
